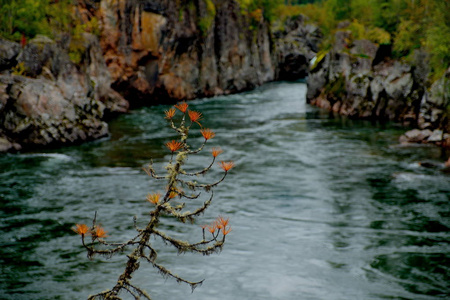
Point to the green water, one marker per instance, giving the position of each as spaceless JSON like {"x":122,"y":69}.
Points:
{"x":321,"y":208}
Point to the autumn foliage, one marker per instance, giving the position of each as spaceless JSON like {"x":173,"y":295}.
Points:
{"x":178,"y":188}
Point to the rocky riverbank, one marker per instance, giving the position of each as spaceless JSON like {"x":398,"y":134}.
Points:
{"x":45,"y":99}
{"x":359,"y":79}
{"x":145,"y":53}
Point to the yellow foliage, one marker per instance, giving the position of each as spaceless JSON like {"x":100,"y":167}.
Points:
{"x":374,"y":34}
{"x":205,"y":22}
{"x":358,"y":30}
{"x":257,"y":15}
{"x":19,"y":69}
{"x":407,"y":37}
{"x":378,"y":35}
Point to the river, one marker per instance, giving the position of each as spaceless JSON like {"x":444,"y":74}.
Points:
{"x":321,"y":208}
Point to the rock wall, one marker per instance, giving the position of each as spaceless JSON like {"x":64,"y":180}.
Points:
{"x":161,"y":51}
{"x":146,"y":52}
{"x":47,"y":100}
{"x":359,"y":79}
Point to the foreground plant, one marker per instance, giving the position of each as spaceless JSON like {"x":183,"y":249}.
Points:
{"x":213,"y":235}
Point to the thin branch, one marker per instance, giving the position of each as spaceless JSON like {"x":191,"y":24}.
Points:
{"x":139,"y":291}
{"x":184,"y":246}
{"x":188,"y":215}
{"x":125,"y":287}
{"x":194,"y":185}
{"x":153,"y":254}
{"x":168,"y":273}
{"x":198,"y":150}
{"x":108,"y":252}
{"x":135,"y":225}
{"x":183,"y":194}
{"x":151,"y":172}
{"x":199,"y":172}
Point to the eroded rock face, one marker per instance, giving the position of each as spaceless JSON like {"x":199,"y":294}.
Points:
{"x":163,"y":51}
{"x":8,"y":54}
{"x":47,"y":100}
{"x":39,"y":112}
{"x":435,"y":108}
{"x":295,"y":46}
{"x":357,"y":80}
{"x":156,"y":52}
{"x":434,"y":123}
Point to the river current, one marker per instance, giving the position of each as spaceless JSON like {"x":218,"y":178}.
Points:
{"x":320,"y":207}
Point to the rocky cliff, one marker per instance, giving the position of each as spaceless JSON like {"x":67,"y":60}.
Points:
{"x":159,"y":51}
{"x":359,"y":79}
{"x":145,"y":53}
{"x":45,"y":99}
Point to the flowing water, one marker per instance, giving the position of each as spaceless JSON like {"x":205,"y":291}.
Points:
{"x":321,"y":208}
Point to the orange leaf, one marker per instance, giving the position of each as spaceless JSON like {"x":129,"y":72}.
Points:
{"x":226,"y":166}
{"x":174,"y":145}
{"x":182,"y":106}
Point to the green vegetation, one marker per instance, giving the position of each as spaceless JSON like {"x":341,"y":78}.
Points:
{"x":267,"y":8}
{"x":337,"y":88}
{"x":206,"y":21}
{"x":76,"y":47}
{"x":28,"y":18}
{"x":405,"y":24}
{"x":32,"y":17}
{"x":19,"y":69}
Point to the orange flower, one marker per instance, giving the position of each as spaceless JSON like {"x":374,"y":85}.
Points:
{"x":195,"y":116}
{"x":153,"y":198}
{"x":81,"y":229}
{"x":207,"y":133}
{"x":216,"y":151}
{"x":170,"y":113}
{"x":226,"y":166}
{"x":99,"y":232}
{"x":174,"y":145}
{"x":218,"y":225}
{"x":223,"y":222}
{"x":172,"y":194}
{"x":226,"y":231}
{"x":211,"y":228}
{"x":182,"y":106}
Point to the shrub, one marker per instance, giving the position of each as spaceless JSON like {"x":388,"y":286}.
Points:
{"x":163,"y":205}
{"x":32,"y":17}
{"x":205,"y":22}
{"x":269,"y":8}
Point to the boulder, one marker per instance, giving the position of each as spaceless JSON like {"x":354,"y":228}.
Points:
{"x":435,"y":105}
{"x":51,"y":101}
{"x":356,"y":82}
{"x":38,"y":112}
{"x":8,"y":54}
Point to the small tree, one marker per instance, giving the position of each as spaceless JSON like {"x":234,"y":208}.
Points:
{"x":213,"y":235}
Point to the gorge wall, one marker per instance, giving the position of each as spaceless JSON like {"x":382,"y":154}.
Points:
{"x":359,"y":79}
{"x":144,"y":53}
{"x":175,"y":50}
